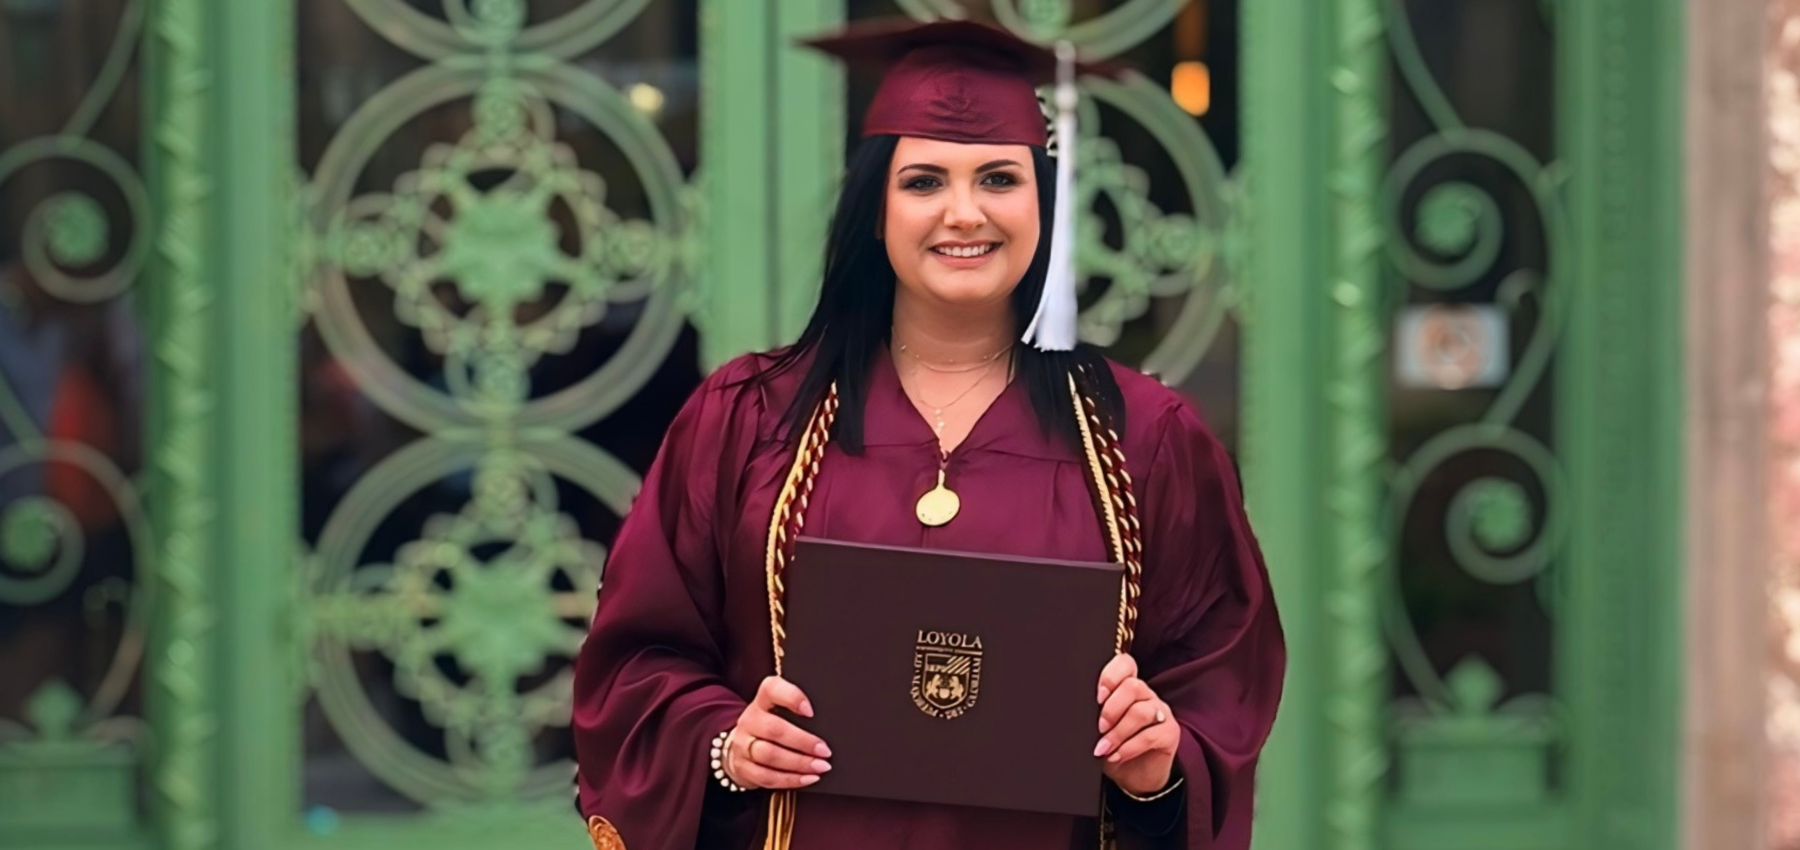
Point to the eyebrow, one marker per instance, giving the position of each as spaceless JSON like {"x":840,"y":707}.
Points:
{"x":940,"y":170}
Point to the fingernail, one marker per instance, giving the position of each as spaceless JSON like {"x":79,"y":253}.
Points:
{"x":1104,"y":693}
{"x":806,"y":708}
{"x":821,"y":766}
{"x":1101,"y":748}
{"x":1114,"y":759}
{"x":808,"y":779}
{"x":823,"y":751}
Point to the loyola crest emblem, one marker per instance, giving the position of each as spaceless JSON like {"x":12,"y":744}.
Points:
{"x":946,"y":673}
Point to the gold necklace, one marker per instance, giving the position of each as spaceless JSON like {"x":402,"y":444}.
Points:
{"x":940,"y":504}
{"x":980,"y":364}
{"x":937,"y":410}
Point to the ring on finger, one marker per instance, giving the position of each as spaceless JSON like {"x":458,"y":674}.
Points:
{"x":750,"y":746}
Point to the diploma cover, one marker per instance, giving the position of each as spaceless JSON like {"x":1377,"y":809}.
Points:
{"x":953,"y":678}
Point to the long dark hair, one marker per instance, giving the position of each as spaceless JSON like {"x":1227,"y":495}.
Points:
{"x":855,"y":314}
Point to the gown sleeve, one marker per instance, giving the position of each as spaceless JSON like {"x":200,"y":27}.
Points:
{"x":649,"y":695}
{"x":1210,"y":641}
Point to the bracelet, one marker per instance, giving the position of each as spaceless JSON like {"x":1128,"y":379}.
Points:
{"x":1153,"y":797}
{"x":719,"y":743}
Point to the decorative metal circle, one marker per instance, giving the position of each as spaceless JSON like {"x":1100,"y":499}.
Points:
{"x":76,"y":227}
{"x":1474,"y":540}
{"x":499,"y":248}
{"x":70,"y":230}
{"x":1459,"y":221}
{"x":1103,"y":36}
{"x":1162,"y":255}
{"x":1132,"y":23}
{"x":1494,"y":515}
{"x":1490,"y":516}
{"x":481,"y":25}
{"x":1452,"y":218}
{"x":486,"y":589}
{"x":35,"y":528}
{"x":41,"y":546}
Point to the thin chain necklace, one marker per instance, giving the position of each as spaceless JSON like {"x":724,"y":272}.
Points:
{"x":983,"y":363}
{"x":937,"y":410}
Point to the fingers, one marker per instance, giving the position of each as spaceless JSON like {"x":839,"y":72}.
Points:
{"x":1145,"y":723}
{"x":1128,"y":693}
{"x":776,"y":692}
{"x":777,"y":757}
{"x":1117,"y":671}
{"x":752,"y":775}
{"x":765,"y":764}
{"x":1158,"y":737}
{"x":781,"y":733}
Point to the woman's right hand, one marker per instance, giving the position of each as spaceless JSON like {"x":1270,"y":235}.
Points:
{"x":769,"y":752}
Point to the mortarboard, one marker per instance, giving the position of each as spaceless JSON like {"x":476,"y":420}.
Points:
{"x":966,"y":82}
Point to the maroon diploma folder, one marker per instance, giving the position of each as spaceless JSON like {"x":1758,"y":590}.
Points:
{"x":944,"y":677}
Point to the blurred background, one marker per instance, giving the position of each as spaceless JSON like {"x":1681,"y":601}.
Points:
{"x":335,"y":335}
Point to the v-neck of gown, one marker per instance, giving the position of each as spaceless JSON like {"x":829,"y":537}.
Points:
{"x":909,"y":425}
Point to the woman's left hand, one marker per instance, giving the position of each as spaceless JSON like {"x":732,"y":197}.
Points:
{"x":1138,"y":732}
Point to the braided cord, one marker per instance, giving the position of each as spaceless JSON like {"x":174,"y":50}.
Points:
{"x":785,"y":524}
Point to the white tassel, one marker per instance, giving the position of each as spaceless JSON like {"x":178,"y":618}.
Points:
{"x":1053,"y":327}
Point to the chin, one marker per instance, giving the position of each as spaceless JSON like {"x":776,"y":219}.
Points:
{"x":968,"y":291}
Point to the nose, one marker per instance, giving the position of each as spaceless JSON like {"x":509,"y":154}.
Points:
{"x":962,"y":212}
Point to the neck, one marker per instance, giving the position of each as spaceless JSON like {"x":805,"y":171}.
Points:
{"x":952,"y":335}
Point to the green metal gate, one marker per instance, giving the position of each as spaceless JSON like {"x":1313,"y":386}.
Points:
{"x":403,"y":294}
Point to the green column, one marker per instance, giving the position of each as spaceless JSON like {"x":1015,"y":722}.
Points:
{"x":1619,"y":418}
{"x":255,"y":450}
{"x":1315,"y":431}
{"x":222,"y":444}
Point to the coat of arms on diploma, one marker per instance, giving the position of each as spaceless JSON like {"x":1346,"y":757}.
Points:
{"x":946,"y":673}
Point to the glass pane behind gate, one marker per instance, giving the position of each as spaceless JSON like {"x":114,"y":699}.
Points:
{"x":498,"y":225}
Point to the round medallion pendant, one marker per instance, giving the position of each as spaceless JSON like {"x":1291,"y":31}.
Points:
{"x":939,"y":506}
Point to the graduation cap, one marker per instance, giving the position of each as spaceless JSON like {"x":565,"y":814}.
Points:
{"x":967,"y":82}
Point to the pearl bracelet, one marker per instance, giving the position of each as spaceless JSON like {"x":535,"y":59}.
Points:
{"x":1158,"y":795}
{"x":719,"y":743}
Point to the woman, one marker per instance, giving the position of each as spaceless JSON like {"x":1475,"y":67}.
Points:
{"x":910,"y":384}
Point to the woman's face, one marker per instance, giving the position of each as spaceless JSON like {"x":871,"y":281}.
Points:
{"x":961,"y":221}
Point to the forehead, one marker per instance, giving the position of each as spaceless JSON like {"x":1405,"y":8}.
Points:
{"x":916,"y":150}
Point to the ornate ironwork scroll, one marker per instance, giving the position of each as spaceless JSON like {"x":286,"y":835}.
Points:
{"x":498,"y":253}
{"x":1475,"y":220}
{"x":77,"y":555}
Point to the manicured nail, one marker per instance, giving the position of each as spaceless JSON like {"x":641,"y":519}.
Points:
{"x":1104,"y":693}
{"x":809,"y":779}
{"x":1102,"y":748}
{"x":821,"y":766}
{"x":823,"y":751}
{"x":806,"y":708}
{"x":1115,"y":758}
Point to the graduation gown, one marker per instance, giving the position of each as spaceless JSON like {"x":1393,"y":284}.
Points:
{"x":680,"y":640}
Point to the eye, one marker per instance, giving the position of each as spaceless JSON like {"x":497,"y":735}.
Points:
{"x":919,"y":184}
{"x":1000,"y":178}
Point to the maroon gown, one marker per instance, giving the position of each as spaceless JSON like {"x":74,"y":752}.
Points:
{"x":681,"y":636}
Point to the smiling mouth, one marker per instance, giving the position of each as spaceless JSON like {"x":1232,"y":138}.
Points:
{"x":966,"y":251}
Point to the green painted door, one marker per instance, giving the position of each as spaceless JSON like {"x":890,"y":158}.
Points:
{"x":403,"y":294}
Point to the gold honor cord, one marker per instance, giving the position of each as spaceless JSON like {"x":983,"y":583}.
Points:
{"x":1110,"y":485}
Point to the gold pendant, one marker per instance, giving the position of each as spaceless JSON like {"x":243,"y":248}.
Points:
{"x":940,"y":505}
